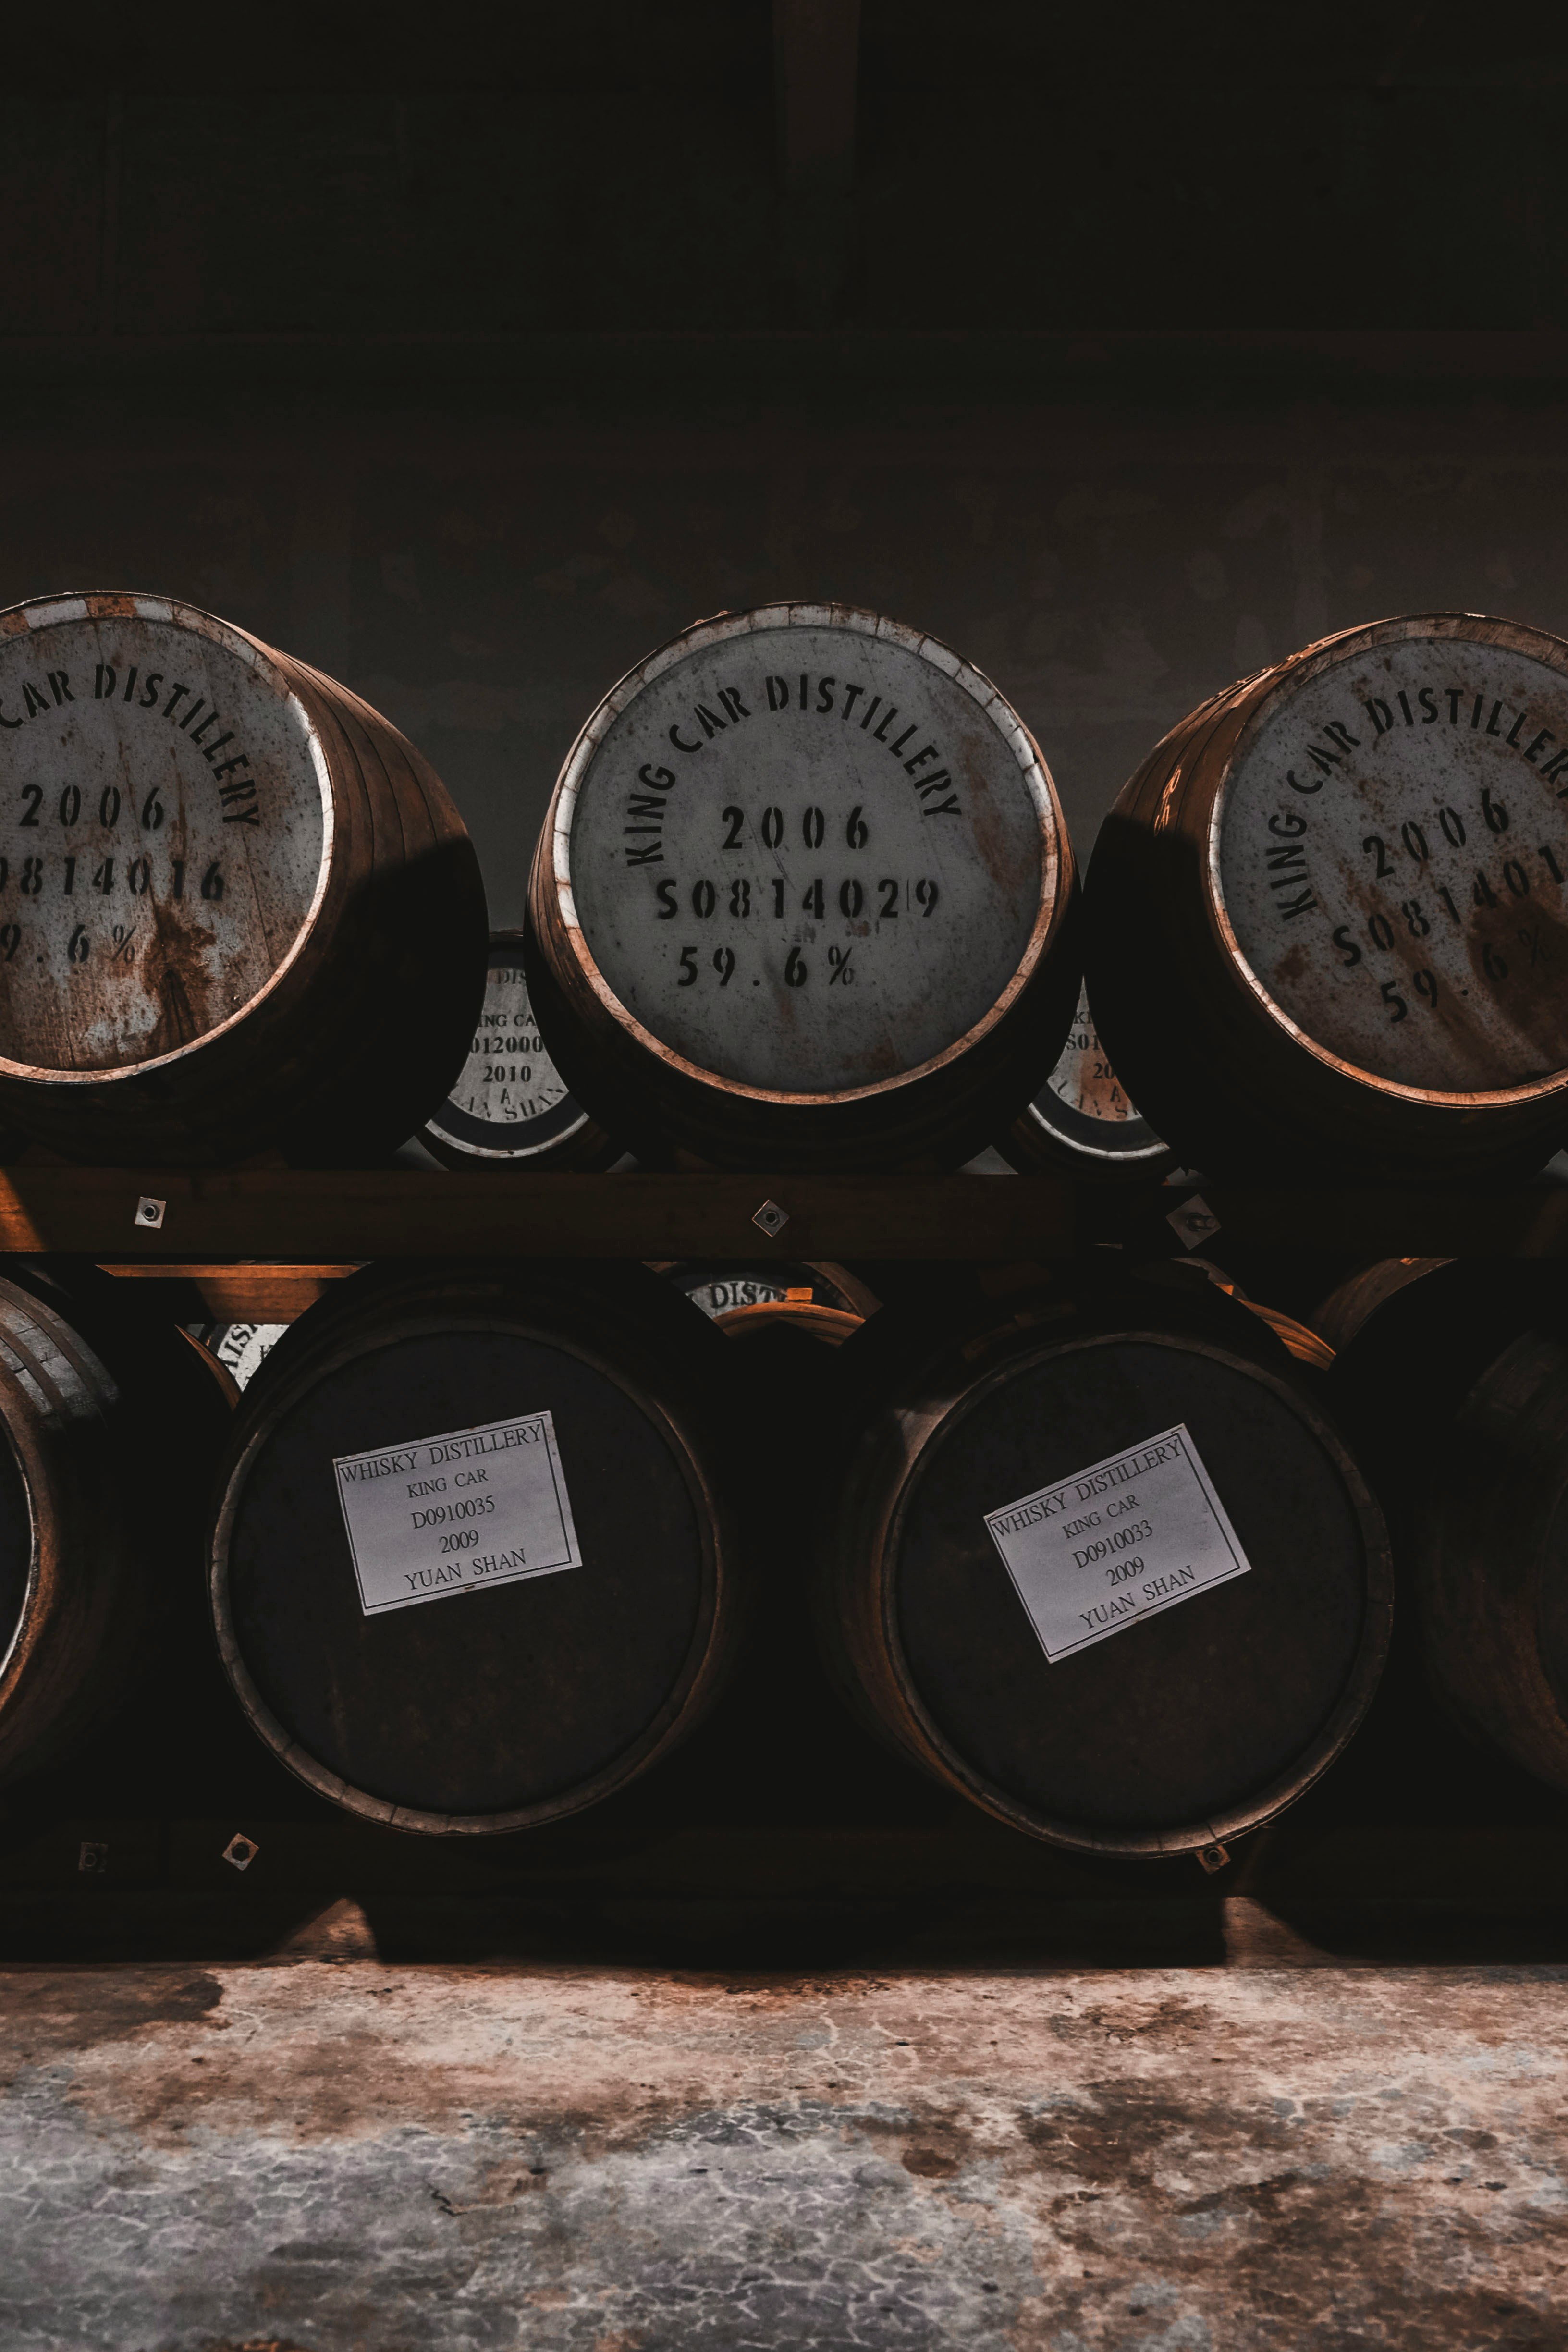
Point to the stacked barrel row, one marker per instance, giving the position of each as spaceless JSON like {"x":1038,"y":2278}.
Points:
{"x":1099,"y":1557}
{"x":1095,"y":1552}
{"x":805,"y":894}
{"x":803,"y":900}
{"x":1094,"y":1555}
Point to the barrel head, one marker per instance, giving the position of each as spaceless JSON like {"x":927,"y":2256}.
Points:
{"x":1328,"y":926}
{"x":1393,"y":852}
{"x":466,"y":1571}
{"x":1083,"y":1122}
{"x":164,"y":825}
{"x":803,"y":880}
{"x":511,"y":1106}
{"x":1127,"y":1590}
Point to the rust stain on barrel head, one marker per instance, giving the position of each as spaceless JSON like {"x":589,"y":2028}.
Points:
{"x":209,"y":855}
{"x":1331,"y":969}
{"x":1533,"y":942}
{"x":1394,"y":870}
{"x":162,"y":836}
{"x":844,"y":892}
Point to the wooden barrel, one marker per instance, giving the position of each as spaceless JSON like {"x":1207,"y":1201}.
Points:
{"x":238,"y":911}
{"x":241,"y":1349}
{"x":802,"y":899}
{"x":1339,"y":1318}
{"x":553,"y":1447}
{"x":114,"y":1422}
{"x":510,"y":1107}
{"x":226,"y":1382}
{"x":797,"y":1310}
{"x":725,"y":1286}
{"x":1082,"y":1124}
{"x":1457,"y":1372}
{"x":822,"y":1301}
{"x":1106,"y":1568}
{"x":1303,"y":1340}
{"x":1326,"y":918}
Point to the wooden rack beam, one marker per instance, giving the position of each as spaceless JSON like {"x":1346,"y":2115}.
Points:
{"x":1527,"y":1221}
{"x":252,"y":1291}
{"x":319,"y":1221}
{"x":322,"y":1216}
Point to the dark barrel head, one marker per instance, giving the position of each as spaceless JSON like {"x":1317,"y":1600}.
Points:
{"x":1199,"y":1660}
{"x":468,"y":1561}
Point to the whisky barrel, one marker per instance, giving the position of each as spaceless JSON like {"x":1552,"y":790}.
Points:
{"x":223,"y":1379}
{"x":1303,"y":1340}
{"x":510,"y":1107}
{"x":798,"y":1310}
{"x":241,"y":1349}
{"x":553,"y":1449}
{"x":1106,"y":1568}
{"x":1458,"y":1371}
{"x":803,"y":900}
{"x":1352,"y":1303}
{"x":113,"y":1422}
{"x":1082,"y":1124}
{"x":238,"y":911}
{"x":725,"y":1286}
{"x":824,"y":1302}
{"x":1326,"y":918}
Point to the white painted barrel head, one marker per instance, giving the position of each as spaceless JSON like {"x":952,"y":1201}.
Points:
{"x":510,"y":1101}
{"x":165,"y":827}
{"x":1084,"y":1105}
{"x":241,"y":1347}
{"x":810,"y":851}
{"x":1390,"y":847}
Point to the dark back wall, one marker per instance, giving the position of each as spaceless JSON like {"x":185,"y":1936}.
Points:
{"x":469,"y":354}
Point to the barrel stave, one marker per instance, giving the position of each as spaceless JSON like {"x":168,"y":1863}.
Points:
{"x":98,"y":1544}
{"x":1455,"y":1373}
{"x":1487,"y":1535}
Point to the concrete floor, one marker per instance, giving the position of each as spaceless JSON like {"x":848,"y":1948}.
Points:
{"x":346,"y":2157}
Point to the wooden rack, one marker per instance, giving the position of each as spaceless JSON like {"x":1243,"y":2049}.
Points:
{"x":316,"y":1220}
{"x":1410,"y":1850}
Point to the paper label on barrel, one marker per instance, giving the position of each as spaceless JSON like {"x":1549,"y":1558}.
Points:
{"x":1393,"y":854}
{"x":1129,"y":1537}
{"x":162,"y":833}
{"x":808,"y":857}
{"x":462,"y":1513}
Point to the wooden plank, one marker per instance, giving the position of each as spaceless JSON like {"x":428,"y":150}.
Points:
{"x":314,"y":1222}
{"x":245,"y":1293}
{"x":316,"y":1217}
{"x":1528,"y":1222}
